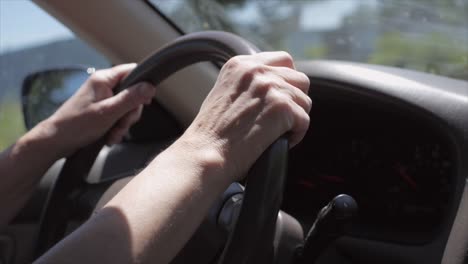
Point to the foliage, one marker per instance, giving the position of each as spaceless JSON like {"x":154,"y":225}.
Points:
{"x":316,"y":52}
{"x":11,"y":121}
{"x":48,"y":91}
{"x":433,"y":53}
{"x":426,"y":35}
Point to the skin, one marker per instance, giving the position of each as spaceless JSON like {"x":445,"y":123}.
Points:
{"x":92,"y":111}
{"x":255,"y":100}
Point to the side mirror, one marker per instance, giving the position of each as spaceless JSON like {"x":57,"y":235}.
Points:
{"x":44,"y":92}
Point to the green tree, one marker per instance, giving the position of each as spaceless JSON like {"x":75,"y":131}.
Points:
{"x":11,"y":121}
{"x":433,"y":53}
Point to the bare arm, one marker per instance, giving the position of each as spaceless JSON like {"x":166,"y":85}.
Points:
{"x":21,"y":167}
{"x":153,"y":216}
{"x":81,"y":120}
{"x":255,"y":100}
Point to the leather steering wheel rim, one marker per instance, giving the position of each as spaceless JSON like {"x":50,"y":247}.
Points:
{"x":251,"y":240}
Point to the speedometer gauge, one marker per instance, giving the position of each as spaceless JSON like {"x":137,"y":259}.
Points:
{"x":401,"y":176}
{"x":407,"y":188}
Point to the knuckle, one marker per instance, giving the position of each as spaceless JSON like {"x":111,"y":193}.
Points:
{"x":301,"y":125}
{"x":259,"y":69}
{"x":134,"y":97}
{"x":304,"y":122}
{"x":263,"y":85}
{"x":97,"y":77}
{"x":308,"y":103}
{"x":253,"y":74}
{"x":286,"y":56}
{"x":234,"y":62}
{"x":253,"y":68}
{"x":305,"y":79}
{"x":248,"y":73}
{"x":280,"y":103}
{"x":101,"y":109}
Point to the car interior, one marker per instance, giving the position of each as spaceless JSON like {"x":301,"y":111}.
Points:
{"x":380,"y":176}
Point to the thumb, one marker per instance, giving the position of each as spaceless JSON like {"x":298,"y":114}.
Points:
{"x":127,"y":100}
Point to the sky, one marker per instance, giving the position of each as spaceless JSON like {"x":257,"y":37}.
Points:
{"x":18,"y":16}
{"x":327,"y":15}
{"x":16,"y":32}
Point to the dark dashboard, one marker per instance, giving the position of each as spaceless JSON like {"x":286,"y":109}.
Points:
{"x":399,"y":169}
{"x":396,"y":140}
{"x":393,"y":139}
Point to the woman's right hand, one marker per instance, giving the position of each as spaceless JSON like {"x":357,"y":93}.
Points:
{"x":256,"y":99}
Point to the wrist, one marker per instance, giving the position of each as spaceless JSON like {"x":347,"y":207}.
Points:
{"x":43,"y":141}
{"x":204,"y":154}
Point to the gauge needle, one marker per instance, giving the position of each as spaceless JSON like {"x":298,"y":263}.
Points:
{"x":405,"y":176}
{"x":332,"y":178}
{"x":306,"y":183}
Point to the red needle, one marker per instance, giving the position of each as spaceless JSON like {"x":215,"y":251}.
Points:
{"x":404,"y":174}
{"x":332,"y":178}
{"x":306,"y":184}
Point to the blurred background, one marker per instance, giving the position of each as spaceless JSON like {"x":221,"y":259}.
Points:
{"x":424,"y":35}
{"x":31,"y":40}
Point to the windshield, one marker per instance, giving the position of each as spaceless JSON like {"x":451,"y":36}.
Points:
{"x":424,"y":35}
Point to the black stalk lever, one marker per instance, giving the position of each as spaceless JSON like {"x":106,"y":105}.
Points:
{"x":331,"y":223}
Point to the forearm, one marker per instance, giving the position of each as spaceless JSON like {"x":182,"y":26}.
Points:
{"x":255,"y":100}
{"x":178,"y":188}
{"x":21,"y":168}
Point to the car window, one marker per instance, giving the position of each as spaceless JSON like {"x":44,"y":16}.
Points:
{"x":424,"y":35}
{"x":30,"y":41}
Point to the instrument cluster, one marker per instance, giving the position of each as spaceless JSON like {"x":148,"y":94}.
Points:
{"x":399,"y":170}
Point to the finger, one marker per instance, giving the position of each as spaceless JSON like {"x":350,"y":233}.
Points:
{"x":295,"y":78}
{"x":300,"y":126}
{"x":128,"y":120}
{"x":297,"y":96}
{"x":265,"y":83}
{"x":120,"y":104}
{"x":290,"y":117}
{"x":131,"y":118}
{"x":275,"y":58}
{"x":114,"y":139}
{"x":112,"y":76}
{"x":123,"y":125}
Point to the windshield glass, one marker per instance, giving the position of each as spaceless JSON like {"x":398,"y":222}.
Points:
{"x":424,"y":35}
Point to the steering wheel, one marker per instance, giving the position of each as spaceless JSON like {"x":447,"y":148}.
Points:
{"x":251,"y":240}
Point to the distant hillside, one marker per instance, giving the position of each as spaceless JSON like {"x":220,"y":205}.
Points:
{"x":14,"y":66}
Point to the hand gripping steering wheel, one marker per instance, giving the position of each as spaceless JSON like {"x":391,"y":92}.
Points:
{"x":251,"y":240}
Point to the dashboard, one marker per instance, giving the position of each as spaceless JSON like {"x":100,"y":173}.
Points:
{"x":393,"y":139}
{"x":397,"y":141}
{"x":399,"y":169}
